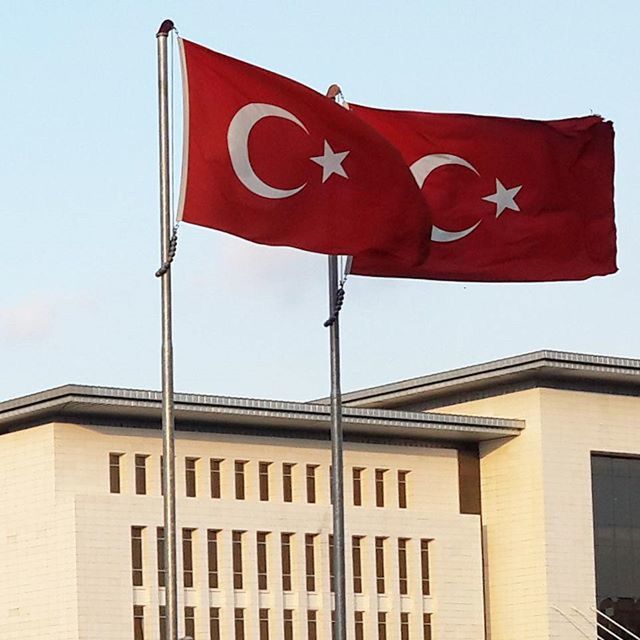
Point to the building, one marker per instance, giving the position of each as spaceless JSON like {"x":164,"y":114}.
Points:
{"x":495,"y":502}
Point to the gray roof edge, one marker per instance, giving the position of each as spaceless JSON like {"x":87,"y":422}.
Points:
{"x":492,"y":370}
{"x":69,"y":398}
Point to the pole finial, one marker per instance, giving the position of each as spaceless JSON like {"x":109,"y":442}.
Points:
{"x":165,"y":28}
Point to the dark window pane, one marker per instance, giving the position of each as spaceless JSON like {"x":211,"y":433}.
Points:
{"x":380,"y":487}
{"x":114,"y":472}
{"x":214,"y":623}
{"x":212,"y":557}
{"x":141,"y":474}
{"x":285,"y":549}
{"x":160,"y":556}
{"x":138,"y":622}
{"x":239,"y":479}
{"x":357,"y":486}
{"x":263,"y":480}
{"x":287,"y":481}
{"x":215,"y":477}
{"x":236,"y":541}
{"x":190,"y":476}
{"x":136,"y":556}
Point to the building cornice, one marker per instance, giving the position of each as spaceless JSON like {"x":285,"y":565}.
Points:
{"x":134,"y":407}
{"x":556,"y":369}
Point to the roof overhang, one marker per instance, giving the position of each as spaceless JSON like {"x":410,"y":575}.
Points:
{"x":556,"y":369}
{"x":131,"y":407}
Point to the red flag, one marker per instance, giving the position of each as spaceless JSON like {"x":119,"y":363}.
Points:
{"x":511,"y":200}
{"x":275,"y":162}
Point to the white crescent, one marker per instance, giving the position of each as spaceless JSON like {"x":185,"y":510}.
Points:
{"x":421,"y":169}
{"x":238,"y":144}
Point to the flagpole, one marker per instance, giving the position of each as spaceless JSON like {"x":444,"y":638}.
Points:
{"x":168,"y":437}
{"x":337,"y":474}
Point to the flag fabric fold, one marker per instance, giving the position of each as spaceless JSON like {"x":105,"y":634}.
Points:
{"x":511,"y":200}
{"x":275,"y":162}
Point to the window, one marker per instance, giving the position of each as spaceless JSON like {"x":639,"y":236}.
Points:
{"x":287,"y":481}
{"x":162,"y":621}
{"x":311,"y":483}
{"x":239,"y":624}
{"x":424,"y":564}
{"x":190,"y":621}
{"x":138,"y":622}
{"x":136,"y":556}
{"x":312,"y":624}
{"x":359,"y":625}
{"x":261,"y":548}
{"x":214,"y":623}
{"x":426,"y":626}
{"x":380,"y":487}
{"x":333,"y":623}
{"x":160,"y":555}
{"x":402,"y":489}
{"x":357,"y":486}
{"x":380,"y":565}
{"x":382,"y":626}
{"x":236,"y":542}
{"x":332,"y":581}
{"x":187,"y":557}
{"x":309,"y":561}
{"x":239,"y":478}
{"x":114,"y":472}
{"x":285,"y":550}
{"x":356,"y":557}
{"x":263,"y":480}
{"x":404,"y":626}
{"x":141,"y":474}
{"x":214,"y":476}
{"x":190,"y":476}
{"x":161,"y":475}
{"x":402,"y":566}
{"x":287,"y":616}
{"x":212,"y":557}
{"x":263,"y":621}
{"x":469,"y":481}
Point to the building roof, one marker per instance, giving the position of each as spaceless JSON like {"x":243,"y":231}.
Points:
{"x":139,"y":408}
{"x":556,"y":369}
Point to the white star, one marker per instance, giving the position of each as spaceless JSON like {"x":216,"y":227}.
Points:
{"x":331,"y":162}
{"x":504,"y":198}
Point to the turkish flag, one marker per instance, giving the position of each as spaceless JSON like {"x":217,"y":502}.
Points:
{"x":511,"y":200}
{"x":277,"y":163}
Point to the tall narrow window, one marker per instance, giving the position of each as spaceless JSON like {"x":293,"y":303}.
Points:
{"x":161,"y":475}
{"x":382,"y":626}
{"x":380,"y":487}
{"x":190,"y":621}
{"x":285,"y":550}
{"x":403,"y":582}
{"x":309,"y":561}
{"x":287,"y":481}
{"x":162,"y":621}
{"x":141,"y":474}
{"x":215,"y":477}
{"x":239,"y":478}
{"x":426,"y":626}
{"x":261,"y":550}
{"x":160,"y":556}
{"x":114,"y":472}
{"x":333,"y":623}
{"x":312,"y":624}
{"x":331,"y":565}
{"x":404,"y":626}
{"x":359,"y":625}
{"x":236,"y":543}
{"x":214,"y":623}
{"x":212,"y":557}
{"x":187,"y":557}
{"x":239,"y":624}
{"x":402,"y":489}
{"x":263,"y":621}
{"x":263,"y":480}
{"x":136,"y":556}
{"x":380,"y":565}
{"x":287,"y":617}
{"x":311,"y":483}
{"x":138,"y":622}
{"x":424,"y":564}
{"x":357,"y":486}
{"x":190,"y":476}
{"x":356,"y":557}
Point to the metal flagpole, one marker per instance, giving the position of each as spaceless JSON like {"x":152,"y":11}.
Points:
{"x":168,"y":440}
{"x":336,"y":295}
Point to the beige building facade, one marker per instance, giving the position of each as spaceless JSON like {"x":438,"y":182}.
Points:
{"x":469,"y":495}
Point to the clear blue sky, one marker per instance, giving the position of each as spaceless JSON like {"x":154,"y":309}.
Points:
{"x":78,"y":171}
